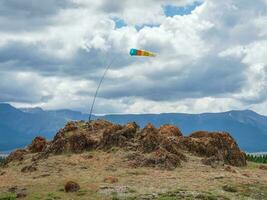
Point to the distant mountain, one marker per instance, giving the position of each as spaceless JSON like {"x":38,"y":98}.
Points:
{"x":247,"y":127}
{"x":19,"y":126}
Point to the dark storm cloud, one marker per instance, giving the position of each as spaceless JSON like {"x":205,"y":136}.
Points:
{"x":16,"y":89}
{"x":211,"y":76}
{"x":25,"y":15}
{"x":112,"y":6}
{"x":85,"y":63}
{"x":22,"y":56}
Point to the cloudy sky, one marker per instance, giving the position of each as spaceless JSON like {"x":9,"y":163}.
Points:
{"x":212,"y":55}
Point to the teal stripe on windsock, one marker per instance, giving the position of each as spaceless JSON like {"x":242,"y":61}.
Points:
{"x":133,"y":52}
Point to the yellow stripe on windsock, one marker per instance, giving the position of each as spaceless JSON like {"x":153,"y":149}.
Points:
{"x":147,"y":53}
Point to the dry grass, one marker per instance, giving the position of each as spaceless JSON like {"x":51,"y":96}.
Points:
{"x":89,"y":169}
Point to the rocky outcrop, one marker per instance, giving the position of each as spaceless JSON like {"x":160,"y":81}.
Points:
{"x":38,"y":144}
{"x":164,"y":147}
{"x":148,"y":139}
{"x":119,"y":136}
{"x":218,"y":146}
{"x":170,"y":130}
{"x":160,"y":158}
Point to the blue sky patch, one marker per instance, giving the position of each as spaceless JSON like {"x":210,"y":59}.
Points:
{"x":119,"y":23}
{"x":171,"y":11}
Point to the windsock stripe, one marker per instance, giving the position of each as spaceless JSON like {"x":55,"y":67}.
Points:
{"x":137,"y":52}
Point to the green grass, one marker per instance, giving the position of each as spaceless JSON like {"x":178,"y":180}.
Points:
{"x":254,"y":191}
{"x":202,"y":196}
{"x":52,"y":196}
{"x":82,"y":192}
{"x":8,"y":196}
{"x":182,"y":194}
{"x":252,"y":165}
{"x":229,"y":188}
{"x":2,"y":161}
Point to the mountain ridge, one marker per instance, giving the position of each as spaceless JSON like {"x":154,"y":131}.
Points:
{"x":18,"y":126}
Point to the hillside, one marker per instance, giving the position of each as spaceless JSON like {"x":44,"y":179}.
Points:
{"x":101,"y":160}
{"x":18,"y":126}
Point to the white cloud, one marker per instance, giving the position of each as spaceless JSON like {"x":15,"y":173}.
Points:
{"x":210,"y":60}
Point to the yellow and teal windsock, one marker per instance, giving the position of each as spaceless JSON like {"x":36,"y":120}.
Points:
{"x":137,"y":52}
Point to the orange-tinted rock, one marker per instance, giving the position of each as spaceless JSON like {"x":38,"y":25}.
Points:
{"x":149,"y":128}
{"x":163,"y":147}
{"x":99,"y":124}
{"x":110,"y":179}
{"x":164,"y":159}
{"x":170,"y":130}
{"x":172,"y":145}
{"x":78,"y":143}
{"x":72,"y":186}
{"x":149,"y":139}
{"x":75,"y":143}
{"x":118,"y":136}
{"x":37,"y":145}
{"x":70,"y":126}
{"x":220,"y":145}
{"x":200,"y":134}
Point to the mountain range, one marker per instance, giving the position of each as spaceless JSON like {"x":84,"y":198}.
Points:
{"x":18,"y":126}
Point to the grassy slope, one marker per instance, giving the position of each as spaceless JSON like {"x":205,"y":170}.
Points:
{"x":192,"y":181}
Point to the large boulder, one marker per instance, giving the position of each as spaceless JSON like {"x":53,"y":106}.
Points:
{"x":160,"y":158}
{"x":219,"y":145}
{"x":72,"y":186}
{"x":75,"y":143}
{"x":75,"y":138}
{"x":159,"y":147}
{"x":38,"y":144}
{"x":118,"y":136}
{"x":149,"y":139}
{"x":98,"y":124}
{"x":170,"y":130}
{"x":70,"y":126}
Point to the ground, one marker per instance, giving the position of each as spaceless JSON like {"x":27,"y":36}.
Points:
{"x":193,"y":180}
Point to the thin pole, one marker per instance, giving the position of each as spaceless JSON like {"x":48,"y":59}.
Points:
{"x":97,"y":89}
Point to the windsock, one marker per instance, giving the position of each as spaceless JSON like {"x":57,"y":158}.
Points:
{"x":137,"y":52}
